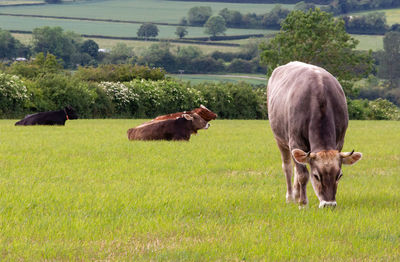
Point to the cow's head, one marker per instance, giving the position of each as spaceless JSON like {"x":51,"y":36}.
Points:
{"x":197,"y":121}
{"x":326,"y":171}
{"x":205,"y":113}
{"x":70,"y":112}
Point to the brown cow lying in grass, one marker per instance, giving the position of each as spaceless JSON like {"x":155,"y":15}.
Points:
{"x":179,"y":128}
{"x":202,"y":111}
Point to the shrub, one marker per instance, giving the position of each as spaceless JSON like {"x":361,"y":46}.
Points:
{"x":382,"y":109}
{"x":13,"y":94}
{"x":55,"y":91}
{"x":119,"y":73}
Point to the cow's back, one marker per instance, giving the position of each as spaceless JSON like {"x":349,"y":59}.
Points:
{"x":306,"y":107}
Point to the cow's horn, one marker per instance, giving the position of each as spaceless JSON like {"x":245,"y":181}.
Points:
{"x":347,"y":154}
{"x":310,"y":155}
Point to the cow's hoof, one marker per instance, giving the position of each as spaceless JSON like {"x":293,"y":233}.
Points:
{"x":324,"y":204}
{"x":289,"y":198}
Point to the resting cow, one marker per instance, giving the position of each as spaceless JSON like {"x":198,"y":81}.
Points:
{"x":308,"y":115}
{"x":49,"y":118}
{"x":171,"y":129}
{"x":202,"y":111}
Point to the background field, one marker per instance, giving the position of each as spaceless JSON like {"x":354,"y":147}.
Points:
{"x":84,"y":192}
{"x":199,"y":78}
{"x":137,"y":10}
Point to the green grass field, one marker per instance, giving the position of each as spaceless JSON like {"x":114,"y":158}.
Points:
{"x":108,"y":29}
{"x":84,"y":192}
{"x":234,"y":78}
{"x":392,"y":15}
{"x":373,"y":42}
{"x":138,"y":10}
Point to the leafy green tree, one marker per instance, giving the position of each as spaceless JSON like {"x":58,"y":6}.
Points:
{"x":215,"y":25}
{"x":120,"y":54}
{"x":317,"y":38}
{"x":181,"y":31}
{"x":90,"y":47}
{"x":390,"y":62}
{"x":198,"y":15}
{"x":147,"y":30}
{"x":232,"y":18}
{"x":9,"y":46}
{"x":64,"y":45}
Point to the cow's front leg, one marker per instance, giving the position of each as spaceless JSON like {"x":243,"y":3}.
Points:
{"x":301,"y":177}
{"x":288,"y":170}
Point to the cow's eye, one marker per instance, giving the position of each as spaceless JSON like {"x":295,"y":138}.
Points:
{"x":316,"y":176}
{"x":339,"y":176}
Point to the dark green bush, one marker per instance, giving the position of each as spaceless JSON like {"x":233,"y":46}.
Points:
{"x":119,"y":73}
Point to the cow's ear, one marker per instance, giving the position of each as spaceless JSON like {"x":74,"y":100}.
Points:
{"x":349,"y":158}
{"x":188,"y":117}
{"x":302,"y":157}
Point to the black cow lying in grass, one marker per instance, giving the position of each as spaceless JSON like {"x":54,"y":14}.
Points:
{"x":49,"y":118}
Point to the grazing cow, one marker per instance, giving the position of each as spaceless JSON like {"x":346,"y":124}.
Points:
{"x":308,"y":115}
{"x":49,"y":118}
{"x":202,"y":111}
{"x":171,"y":129}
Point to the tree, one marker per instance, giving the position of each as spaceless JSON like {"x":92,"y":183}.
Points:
{"x":147,"y":30}
{"x":315,"y":37}
{"x":181,"y":31}
{"x":215,"y":25}
{"x":390,"y":64}
{"x":232,"y":18}
{"x":120,"y":54}
{"x":90,"y":47}
{"x":64,"y":45}
{"x":53,"y":1}
{"x":198,"y":15}
{"x":9,"y":46}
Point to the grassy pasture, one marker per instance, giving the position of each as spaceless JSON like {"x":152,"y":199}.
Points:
{"x":137,"y":10}
{"x":84,"y":192}
{"x":108,"y":29}
{"x":373,"y":42}
{"x":137,"y":45}
{"x":392,"y":15}
{"x":234,"y":78}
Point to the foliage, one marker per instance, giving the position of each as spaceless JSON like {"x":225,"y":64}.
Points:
{"x":55,"y":91}
{"x":90,"y":47}
{"x":382,"y":109}
{"x":159,"y":55}
{"x":147,"y":30}
{"x":121,"y":53}
{"x":215,"y":25}
{"x":390,"y":61}
{"x":234,"y":101}
{"x":316,"y":38}
{"x":10,"y":47}
{"x":198,"y":15}
{"x":13,"y":94}
{"x":64,"y":45}
{"x":373,"y":23}
{"x":303,"y":6}
{"x":39,"y":66}
{"x":181,"y":31}
{"x":118,"y":73}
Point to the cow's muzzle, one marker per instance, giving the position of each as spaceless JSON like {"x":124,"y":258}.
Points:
{"x":323,"y":204}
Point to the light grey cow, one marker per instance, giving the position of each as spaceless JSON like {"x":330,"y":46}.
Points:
{"x":308,"y":115}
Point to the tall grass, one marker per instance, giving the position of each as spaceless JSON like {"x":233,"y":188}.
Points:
{"x":84,"y":192}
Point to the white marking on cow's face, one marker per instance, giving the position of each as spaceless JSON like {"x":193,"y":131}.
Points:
{"x":323,"y":204}
{"x":207,"y":126}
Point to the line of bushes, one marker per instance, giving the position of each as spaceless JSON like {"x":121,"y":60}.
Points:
{"x":44,"y":86}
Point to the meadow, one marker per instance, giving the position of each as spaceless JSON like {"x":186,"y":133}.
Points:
{"x":254,"y":79}
{"x":137,"y":10}
{"x":84,"y":192}
{"x":109,"y":29}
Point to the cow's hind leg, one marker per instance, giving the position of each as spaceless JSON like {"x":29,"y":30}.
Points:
{"x":288,"y":170}
{"x":301,"y":177}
